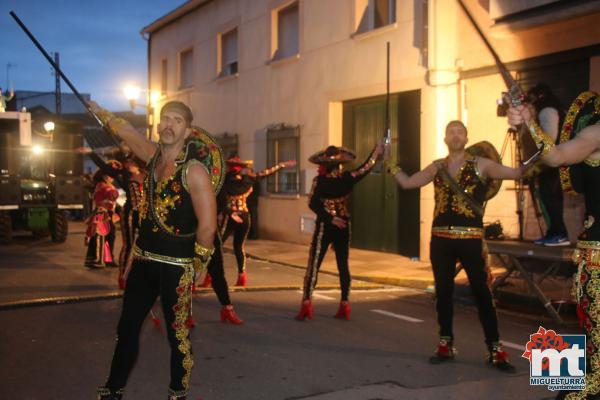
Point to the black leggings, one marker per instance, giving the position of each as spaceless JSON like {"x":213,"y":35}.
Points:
{"x":146,"y":281}
{"x":444,"y":254}
{"x":551,"y":196}
{"x":240,"y":233}
{"x":217,"y":273}
{"x":328,"y":234}
{"x":129,"y":226}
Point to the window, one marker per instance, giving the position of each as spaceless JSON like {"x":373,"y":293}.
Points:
{"x":163,"y":76}
{"x":283,"y":144}
{"x":229,"y":53}
{"x":385,"y":12}
{"x":186,"y":66}
{"x":287,"y":27}
{"x":376,"y":14}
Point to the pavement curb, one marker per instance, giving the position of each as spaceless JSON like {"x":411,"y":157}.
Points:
{"x":59,"y":300}
{"x":49,"y":301}
{"x":413,"y":283}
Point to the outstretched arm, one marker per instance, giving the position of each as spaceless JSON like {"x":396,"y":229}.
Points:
{"x":275,"y":168}
{"x":416,"y":180}
{"x":368,"y":164}
{"x":491,"y":169}
{"x":586,"y":144}
{"x":141,"y":147}
{"x":100,"y":163}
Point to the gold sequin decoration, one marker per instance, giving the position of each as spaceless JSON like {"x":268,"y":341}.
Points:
{"x":365,"y":168}
{"x":337,"y":207}
{"x":182,"y":331}
{"x":238,"y":203}
{"x":457,"y":232}
{"x":587,"y":290}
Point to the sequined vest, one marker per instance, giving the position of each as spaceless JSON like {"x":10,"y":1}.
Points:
{"x":237,"y":188}
{"x":451,"y":209}
{"x":167,"y":219}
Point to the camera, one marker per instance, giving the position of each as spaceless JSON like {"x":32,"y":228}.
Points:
{"x":502,"y":105}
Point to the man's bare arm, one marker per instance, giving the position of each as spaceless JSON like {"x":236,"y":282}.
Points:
{"x":416,"y":180}
{"x":139,"y":144}
{"x":491,"y":169}
{"x":576,"y":150}
{"x":205,"y":204}
{"x":586,"y":144}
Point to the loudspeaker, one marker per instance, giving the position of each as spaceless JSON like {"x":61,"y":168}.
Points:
{"x":67,"y":137}
{"x":10,"y":191}
{"x":68,"y":190}
{"x":9,"y":147}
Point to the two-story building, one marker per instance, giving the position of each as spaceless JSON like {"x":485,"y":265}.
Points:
{"x":281,"y":79}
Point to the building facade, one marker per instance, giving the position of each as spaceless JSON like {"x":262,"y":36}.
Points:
{"x":285,"y":78}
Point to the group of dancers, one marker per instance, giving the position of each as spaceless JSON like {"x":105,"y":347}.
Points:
{"x":178,"y":229}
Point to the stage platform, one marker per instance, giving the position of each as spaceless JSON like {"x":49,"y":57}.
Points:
{"x":534,"y":264}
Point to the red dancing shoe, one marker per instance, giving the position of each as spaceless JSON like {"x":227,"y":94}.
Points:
{"x":306,"y":311}
{"x":445,"y":351}
{"x":344,"y":310}
{"x":498,"y":358}
{"x":207,"y":282}
{"x":242,"y":279}
{"x":228,"y":315}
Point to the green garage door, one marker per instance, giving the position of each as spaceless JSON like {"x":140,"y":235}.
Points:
{"x":385,"y":218}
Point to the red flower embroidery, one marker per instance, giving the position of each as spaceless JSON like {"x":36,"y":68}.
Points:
{"x":585,"y":303}
{"x":202,"y":153}
{"x":212,"y":146}
{"x":544,"y":339}
{"x":176,"y":186}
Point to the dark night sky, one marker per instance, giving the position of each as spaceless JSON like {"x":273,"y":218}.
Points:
{"x":99,"y":42}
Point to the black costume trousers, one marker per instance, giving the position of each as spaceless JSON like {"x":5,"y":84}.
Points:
{"x":129,"y":227}
{"x":551,"y":196}
{"x":217,"y":273}
{"x":240,"y":233}
{"x":146,"y":281}
{"x":327,"y":234}
{"x":444,"y":253}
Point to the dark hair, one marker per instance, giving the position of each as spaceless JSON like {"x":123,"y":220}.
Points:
{"x":541,"y":96}
{"x":456,"y":122}
{"x":180,"y":108}
{"x":99,"y":176}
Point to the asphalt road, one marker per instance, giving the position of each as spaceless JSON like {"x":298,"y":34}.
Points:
{"x":63,"y":351}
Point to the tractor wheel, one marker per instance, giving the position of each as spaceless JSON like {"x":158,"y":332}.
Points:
{"x":5,"y":227}
{"x":59,"y":226}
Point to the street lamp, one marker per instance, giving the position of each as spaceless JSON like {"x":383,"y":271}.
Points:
{"x":132,"y":93}
{"x":49,"y":128}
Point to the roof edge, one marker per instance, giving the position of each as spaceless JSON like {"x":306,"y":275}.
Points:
{"x":177,"y":13}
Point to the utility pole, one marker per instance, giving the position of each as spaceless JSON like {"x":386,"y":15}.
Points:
{"x":57,"y":94}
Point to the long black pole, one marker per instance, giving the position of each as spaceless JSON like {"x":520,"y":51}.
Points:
{"x":387,"y":94}
{"x":63,"y":76}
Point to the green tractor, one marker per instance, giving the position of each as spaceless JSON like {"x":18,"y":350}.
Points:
{"x":40,"y":176}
